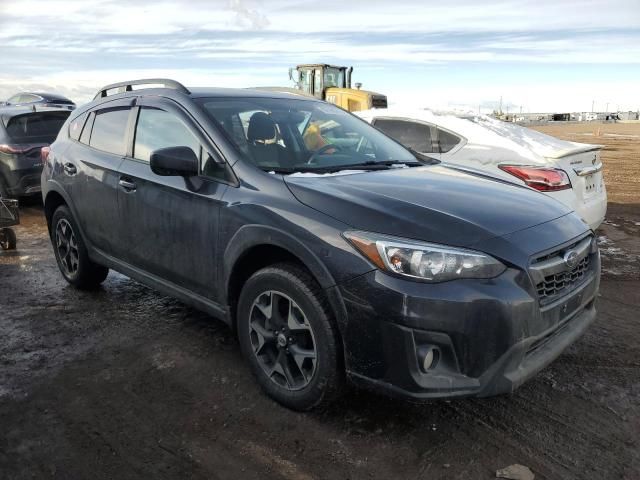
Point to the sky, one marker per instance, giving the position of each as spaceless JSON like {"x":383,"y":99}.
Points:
{"x":539,"y":56}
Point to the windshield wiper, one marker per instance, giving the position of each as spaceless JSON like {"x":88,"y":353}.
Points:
{"x":368,"y":165}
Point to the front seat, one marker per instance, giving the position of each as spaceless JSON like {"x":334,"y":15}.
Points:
{"x":262,"y":136}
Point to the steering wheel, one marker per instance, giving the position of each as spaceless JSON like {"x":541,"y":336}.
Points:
{"x":321,"y":150}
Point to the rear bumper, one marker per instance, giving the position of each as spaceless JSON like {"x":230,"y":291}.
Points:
{"x":592,"y":210}
{"x":22,"y":181}
{"x":491,"y":336}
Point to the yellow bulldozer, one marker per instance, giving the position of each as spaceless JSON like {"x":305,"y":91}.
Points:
{"x":333,"y":84}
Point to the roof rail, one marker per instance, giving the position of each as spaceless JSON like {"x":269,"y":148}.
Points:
{"x":128,"y":86}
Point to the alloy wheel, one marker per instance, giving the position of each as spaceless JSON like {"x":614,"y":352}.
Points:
{"x":67,"y":247}
{"x":282,"y":340}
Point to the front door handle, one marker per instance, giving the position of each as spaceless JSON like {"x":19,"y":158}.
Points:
{"x":70,"y":169}
{"x":127,"y":185}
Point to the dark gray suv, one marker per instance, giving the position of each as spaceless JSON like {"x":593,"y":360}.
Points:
{"x":332,"y":251}
{"x":23,"y":133}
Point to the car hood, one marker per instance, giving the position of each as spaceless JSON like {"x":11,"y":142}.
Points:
{"x":431,"y":203}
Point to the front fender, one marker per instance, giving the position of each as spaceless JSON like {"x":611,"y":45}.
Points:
{"x":250,"y":236}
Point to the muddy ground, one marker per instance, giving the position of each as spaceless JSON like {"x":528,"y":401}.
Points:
{"x":125,"y":383}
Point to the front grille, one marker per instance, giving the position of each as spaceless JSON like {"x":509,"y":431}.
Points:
{"x":552,"y":275}
{"x":559,"y":283}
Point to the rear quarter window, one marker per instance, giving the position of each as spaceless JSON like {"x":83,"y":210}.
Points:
{"x":447,"y":140}
{"x":75,"y":127}
{"x":38,"y":127}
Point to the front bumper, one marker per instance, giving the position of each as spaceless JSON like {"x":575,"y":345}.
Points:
{"x":490,"y":335}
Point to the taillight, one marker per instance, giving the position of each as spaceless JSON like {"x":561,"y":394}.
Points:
{"x":544,"y":179}
{"x":13,"y":149}
{"x":44,"y":154}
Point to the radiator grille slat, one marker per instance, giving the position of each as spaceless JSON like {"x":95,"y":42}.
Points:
{"x":558,"y":283}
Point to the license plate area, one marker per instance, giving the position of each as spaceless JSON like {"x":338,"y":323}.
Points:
{"x":591,"y":184}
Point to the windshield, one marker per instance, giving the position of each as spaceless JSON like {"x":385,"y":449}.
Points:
{"x":288,"y":135}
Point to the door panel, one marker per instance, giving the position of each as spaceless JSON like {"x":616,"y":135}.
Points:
{"x":171,"y":223}
{"x":96,"y":179}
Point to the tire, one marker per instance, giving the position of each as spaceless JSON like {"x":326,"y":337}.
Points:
{"x":8,"y":239}
{"x":73,"y":260}
{"x":302,"y":381}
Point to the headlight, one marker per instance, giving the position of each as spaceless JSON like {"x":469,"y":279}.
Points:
{"x":424,"y":261}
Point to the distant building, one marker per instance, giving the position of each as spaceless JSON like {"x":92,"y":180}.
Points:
{"x":628,"y":116}
{"x":590,"y":116}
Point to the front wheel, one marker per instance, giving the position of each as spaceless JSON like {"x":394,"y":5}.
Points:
{"x":71,"y":252}
{"x":287,"y":334}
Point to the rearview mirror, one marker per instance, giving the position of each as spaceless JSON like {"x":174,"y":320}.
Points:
{"x":174,"y":162}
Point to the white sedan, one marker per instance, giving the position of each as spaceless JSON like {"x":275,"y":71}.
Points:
{"x":567,"y":171}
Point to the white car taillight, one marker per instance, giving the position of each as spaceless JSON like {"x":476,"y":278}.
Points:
{"x":543,"y":179}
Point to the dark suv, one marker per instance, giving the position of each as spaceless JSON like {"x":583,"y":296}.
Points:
{"x":334,"y":252}
{"x":23,"y":133}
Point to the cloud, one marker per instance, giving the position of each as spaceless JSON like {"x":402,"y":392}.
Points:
{"x":248,"y":17}
{"x":461,"y":49}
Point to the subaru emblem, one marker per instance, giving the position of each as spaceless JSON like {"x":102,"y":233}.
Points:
{"x":571,"y":259}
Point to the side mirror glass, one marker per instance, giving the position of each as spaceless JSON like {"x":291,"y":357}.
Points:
{"x":174,"y":162}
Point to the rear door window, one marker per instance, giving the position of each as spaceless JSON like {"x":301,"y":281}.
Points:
{"x":447,"y":140}
{"x":37,"y":127}
{"x":110,"y":130}
{"x":410,"y":134}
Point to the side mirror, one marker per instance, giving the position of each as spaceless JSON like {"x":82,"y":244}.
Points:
{"x":174,"y":162}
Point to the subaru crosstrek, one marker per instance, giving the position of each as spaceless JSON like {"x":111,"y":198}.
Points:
{"x":333,"y":256}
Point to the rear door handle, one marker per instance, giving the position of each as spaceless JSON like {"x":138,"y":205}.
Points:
{"x":70,"y":169}
{"x":127,"y":185}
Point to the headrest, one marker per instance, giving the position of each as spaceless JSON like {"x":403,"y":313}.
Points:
{"x":261,"y":128}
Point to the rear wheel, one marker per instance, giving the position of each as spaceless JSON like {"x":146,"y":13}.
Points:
{"x":288,"y":336}
{"x":71,"y":253}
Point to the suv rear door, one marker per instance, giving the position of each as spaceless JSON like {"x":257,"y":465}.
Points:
{"x":170,"y":222}
{"x":91,"y":170}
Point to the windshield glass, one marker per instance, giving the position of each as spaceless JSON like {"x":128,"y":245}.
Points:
{"x":289,"y":135}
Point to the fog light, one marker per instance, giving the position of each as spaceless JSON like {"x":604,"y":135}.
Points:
{"x":428,"y":357}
